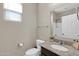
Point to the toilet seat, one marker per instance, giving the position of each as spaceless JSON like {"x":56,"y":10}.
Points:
{"x":32,"y":52}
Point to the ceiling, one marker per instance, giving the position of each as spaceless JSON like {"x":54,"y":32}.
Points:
{"x":62,"y":7}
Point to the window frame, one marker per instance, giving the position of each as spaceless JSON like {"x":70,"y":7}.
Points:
{"x":6,"y":9}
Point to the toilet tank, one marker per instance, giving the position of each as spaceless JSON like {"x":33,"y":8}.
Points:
{"x":39,"y":43}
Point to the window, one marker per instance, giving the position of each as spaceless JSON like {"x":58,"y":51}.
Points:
{"x":13,"y":12}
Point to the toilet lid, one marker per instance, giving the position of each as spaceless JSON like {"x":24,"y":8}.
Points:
{"x":31,"y":51}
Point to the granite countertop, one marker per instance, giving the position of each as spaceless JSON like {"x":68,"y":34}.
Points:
{"x":72,"y":51}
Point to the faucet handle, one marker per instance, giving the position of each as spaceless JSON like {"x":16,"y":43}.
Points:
{"x":61,"y":42}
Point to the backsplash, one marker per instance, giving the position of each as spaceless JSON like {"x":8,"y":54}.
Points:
{"x":68,"y":41}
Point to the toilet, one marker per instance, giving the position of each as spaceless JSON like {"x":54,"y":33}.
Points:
{"x":35,"y":51}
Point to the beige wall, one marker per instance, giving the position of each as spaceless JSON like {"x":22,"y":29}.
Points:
{"x":43,"y":21}
{"x":12,"y":33}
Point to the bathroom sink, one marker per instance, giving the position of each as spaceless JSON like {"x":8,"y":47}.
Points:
{"x":59,"y":47}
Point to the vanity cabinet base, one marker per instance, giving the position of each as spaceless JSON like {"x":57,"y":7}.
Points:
{"x":46,"y":52}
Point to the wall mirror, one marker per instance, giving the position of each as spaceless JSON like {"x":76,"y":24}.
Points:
{"x":65,"y":23}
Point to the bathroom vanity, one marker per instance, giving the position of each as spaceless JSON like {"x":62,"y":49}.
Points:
{"x":47,"y":50}
{"x":64,"y":23}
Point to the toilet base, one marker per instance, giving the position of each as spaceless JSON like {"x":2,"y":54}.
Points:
{"x":33,"y":52}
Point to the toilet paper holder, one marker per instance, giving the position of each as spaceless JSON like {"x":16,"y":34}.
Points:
{"x":20,"y":45}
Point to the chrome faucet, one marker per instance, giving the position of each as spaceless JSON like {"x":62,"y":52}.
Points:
{"x":61,"y":42}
